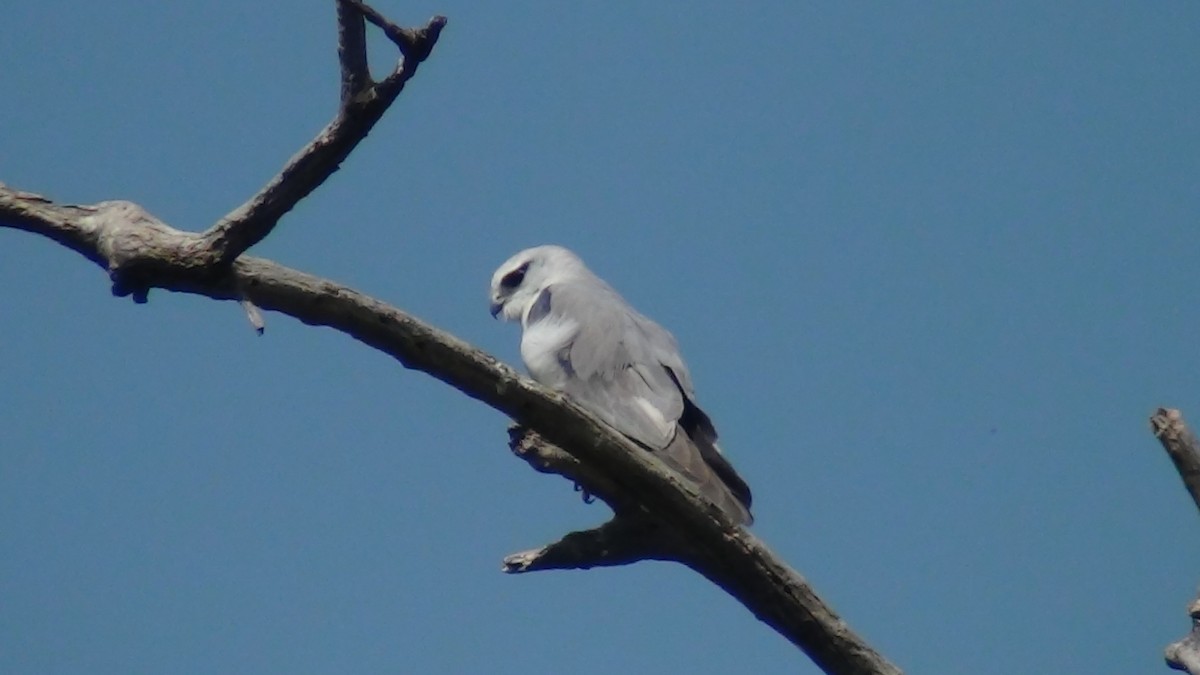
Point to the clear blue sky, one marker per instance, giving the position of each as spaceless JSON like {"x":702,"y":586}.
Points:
{"x":932,"y":266}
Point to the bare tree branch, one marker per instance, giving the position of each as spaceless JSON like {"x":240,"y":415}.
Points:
{"x":362,"y":105}
{"x":1185,"y":654}
{"x":352,"y":50}
{"x":1184,"y":450}
{"x":658,"y":515}
{"x":415,"y":45}
{"x":620,"y":541}
{"x":748,"y":570}
{"x":1182,"y":447}
{"x":604,"y":463}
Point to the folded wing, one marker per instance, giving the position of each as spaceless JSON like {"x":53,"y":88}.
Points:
{"x":626,"y":369}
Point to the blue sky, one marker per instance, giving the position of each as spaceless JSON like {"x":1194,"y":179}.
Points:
{"x":931,"y":264}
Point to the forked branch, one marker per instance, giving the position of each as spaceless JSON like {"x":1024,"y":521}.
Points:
{"x":601,"y":461}
{"x":658,"y":516}
{"x":362,"y":104}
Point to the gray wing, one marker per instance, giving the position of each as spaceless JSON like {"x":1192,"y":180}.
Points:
{"x":627,"y":370}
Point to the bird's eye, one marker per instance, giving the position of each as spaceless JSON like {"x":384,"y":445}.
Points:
{"x":515,"y":277}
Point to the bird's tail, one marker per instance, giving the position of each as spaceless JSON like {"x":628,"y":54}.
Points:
{"x":683,"y":455}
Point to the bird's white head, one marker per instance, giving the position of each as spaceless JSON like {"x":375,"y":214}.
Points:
{"x":517,"y":283}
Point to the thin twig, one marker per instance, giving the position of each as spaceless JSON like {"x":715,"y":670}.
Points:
{"x":254,"y":316}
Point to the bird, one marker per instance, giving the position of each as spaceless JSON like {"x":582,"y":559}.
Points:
{"x":581,"y":338}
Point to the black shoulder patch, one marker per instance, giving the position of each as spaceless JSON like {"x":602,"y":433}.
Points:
{"x":541,"y":306}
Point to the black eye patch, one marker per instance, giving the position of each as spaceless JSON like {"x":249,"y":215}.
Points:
{"x":515,"y":277}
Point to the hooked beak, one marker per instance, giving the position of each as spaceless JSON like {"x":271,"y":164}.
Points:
{"x":495,"y":309}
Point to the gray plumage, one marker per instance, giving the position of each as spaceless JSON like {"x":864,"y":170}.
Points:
{"x":581,"y":337}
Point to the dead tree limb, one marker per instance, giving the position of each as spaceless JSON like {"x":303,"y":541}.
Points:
{"x":363,"y":103}
{"x":1181,"y":446}
{"x":658,"y":516}
{"x":1184,"y":450}
{"x":1185,"y":654}
{"x":571,"y":442}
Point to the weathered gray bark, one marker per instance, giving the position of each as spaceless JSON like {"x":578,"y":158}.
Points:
{"x":1184,"y":450}
{"x":1185,"y":654}
{"x":1181,"y":446}
{"x":657,"y":515}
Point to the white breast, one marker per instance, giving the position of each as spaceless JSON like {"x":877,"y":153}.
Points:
{"x":541,"y":346}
